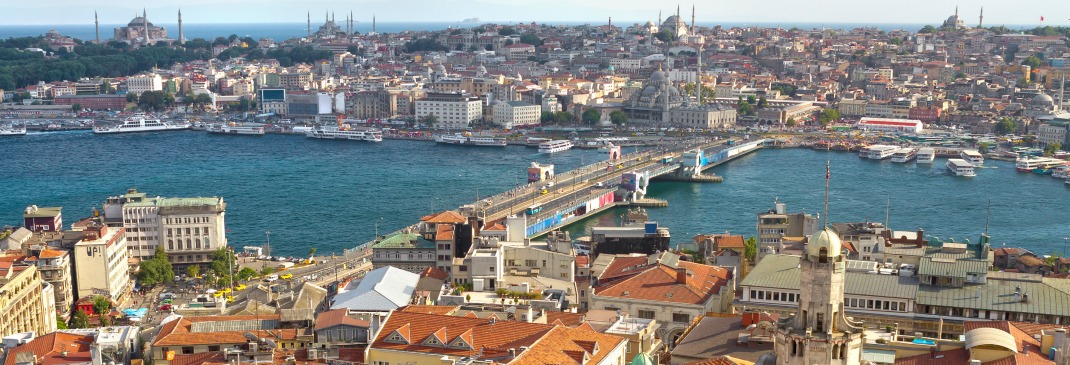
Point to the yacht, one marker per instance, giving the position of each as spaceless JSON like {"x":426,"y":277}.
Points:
{"x":141,"y":123}
{"x":973,"y":157}
{"x":960,"y":167}
{"x":231,"y":128}
{"x":926,"y":155}
{"x":12,"y":130}
{"x":904,"y":155}
{"x":878,"y":152}
{"x":462,"y":139}
{"x":1061,"y":172}
{"x":345,"y":132}
{"x":555,"y":146}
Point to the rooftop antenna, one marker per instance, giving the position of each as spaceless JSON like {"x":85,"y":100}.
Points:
{"x":828,"y":174}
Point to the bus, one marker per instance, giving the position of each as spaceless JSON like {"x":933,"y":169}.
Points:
{"x":534,"y":209}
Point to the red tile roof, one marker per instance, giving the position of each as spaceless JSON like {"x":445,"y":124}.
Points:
{"x":434,"y":272}
{"x":337,"y":317}
{"x":564,"y":345}
{"x":659,"y":283}
{"x":493,"y":337}
{"x":49,"y":349}
{"x":448,"y":216}
{"x":178,"y":333}
{"x":623,"y":267}
{"x":444,"y":232}
{"x":429,"y":309}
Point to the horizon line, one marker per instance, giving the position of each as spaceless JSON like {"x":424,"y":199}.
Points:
{"x":577,"y":22}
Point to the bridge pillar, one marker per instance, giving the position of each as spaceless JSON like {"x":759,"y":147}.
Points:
{"x":691,"y":163}
{"x":635,"y":184}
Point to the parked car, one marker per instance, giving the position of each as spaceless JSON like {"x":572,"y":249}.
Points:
{"x":165,"y":307}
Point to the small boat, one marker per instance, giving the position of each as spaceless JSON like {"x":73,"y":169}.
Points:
{"x":13,"y":130}
{"x":973,"y":157}
{"x":926,"y":155}
{"x":904,"y":155}
{"x":960,"y":167}
{"x":555,"y":146}
{"x":231,"y":128}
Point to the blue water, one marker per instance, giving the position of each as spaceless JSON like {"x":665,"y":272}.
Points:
{"x":331,"y":194}
{"x":283,"y":31}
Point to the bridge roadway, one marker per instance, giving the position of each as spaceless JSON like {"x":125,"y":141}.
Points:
{"x":580,"y":184}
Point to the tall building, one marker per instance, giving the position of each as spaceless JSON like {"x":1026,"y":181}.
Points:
{"x":820,"y":332}
{"x":101,"y":262}
{"x":512,"y":114}
{"x":142,"y":83}
{"x":188,"y":229}
{"x":379,"y":104}
{"x":55,"y":268}
{"x":22,"y":299}
{"x":451,"y":110}
{"x":776,"y":224}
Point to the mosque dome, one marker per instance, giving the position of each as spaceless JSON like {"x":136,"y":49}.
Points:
{"x":440,"y":69}
{"x":657,"y":91}
{"x":481,"y":69}
{"x":138,"y":22}
{"x":650,"y":24}
{"x":826,"y":239}
{"x":1042,"y":99}
{"x":672,"y":21}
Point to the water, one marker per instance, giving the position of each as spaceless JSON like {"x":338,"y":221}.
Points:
{"x":284,"y":31}
{"x":331,"y":194}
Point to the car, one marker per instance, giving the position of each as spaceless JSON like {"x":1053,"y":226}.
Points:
{"x":165,"y":307}
{"x":240,"y":287}
{"x":286,"y":276}
{"x":271,"y":278}
{"x":230,"y":299}
{"x":217,"y":294}
{"x":168,"y":301}
{"x":225,"y":291}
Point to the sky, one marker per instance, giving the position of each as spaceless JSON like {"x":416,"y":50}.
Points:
{"x":55,"y":12}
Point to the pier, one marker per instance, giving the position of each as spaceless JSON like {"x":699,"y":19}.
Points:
{"x":550,"y":201}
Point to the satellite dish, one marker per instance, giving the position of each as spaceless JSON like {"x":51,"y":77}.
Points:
{"x":270,"y":343}
{"x":251,"y":337}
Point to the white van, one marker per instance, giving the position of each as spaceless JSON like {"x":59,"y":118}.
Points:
{"x":272,"y":278}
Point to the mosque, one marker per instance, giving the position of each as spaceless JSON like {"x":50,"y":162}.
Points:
{"x":141,"y":31}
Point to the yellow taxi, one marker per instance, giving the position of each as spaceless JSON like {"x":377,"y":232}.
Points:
{"x":217,"y":294}
{"x":286,"y":276}
{"x":230,"y":299}
{"x":240,"y":287}
{"x":225,"y":291}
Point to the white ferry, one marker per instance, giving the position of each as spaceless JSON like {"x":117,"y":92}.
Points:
{"x":535,"y":141}
{"x":1061,"y":172}
{"x":230,"y":128}
{"x":462,"y":139}
{"x":140,"y":123}
{"x":904,"y":155}
{"x":973,"y":157}
{"x":1035,"y":163}
{"x":555,"y":146}
{"x":960,"y":167}
{"x":12,"y":130}
{"x":878,"y":152}
{"x":926,"y":155}
{"x":345,"y":132}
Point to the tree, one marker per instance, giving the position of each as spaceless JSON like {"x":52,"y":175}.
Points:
{"x":506,"y":31}
{"x":546,"y":117}
{"x":489,"y":47}
{"x":750,"y":248}
{"x":79,"y":320}
{"x":591,"y":116}
{"x":76,"y":107}
{"x":745,"y":109}
{"x":131,"y":97}
{"x":473,"y":48}
{"x":105,"y":320}
{"x":246,"y":273}
{"x":828,"y":116}
{"x":763,"y":103}
{"x":468,"y":298}
{"x":1032,"y":61}
{"x":751,"y":100}
{"x":790,"y":123}
{"x":618,"y":117}
{"x":203,"y":100}
{"x":60,"y":324}
{"x":428,"y":120}
{"x":562,"y":117}
{"x":101,"y":304}
{"x":312,"y":252}
{"x":267,"y":270}
{"x":665,"y":36}
{"x":1051,"y":148}
{"x":193,"y":271}
{"x":1005,"y":126}
{"x":531,"y":39}
{"x":156,"y":270}
{"x":928,"y":29}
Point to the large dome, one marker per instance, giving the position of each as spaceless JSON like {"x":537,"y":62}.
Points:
{"x":138,"y":22}
{"x":657,"y":92}
{"x":826,"y":239}
{"x":672,"y":21}
{"x":1043,"y":98}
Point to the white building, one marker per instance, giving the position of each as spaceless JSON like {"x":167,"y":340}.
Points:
{"x":188,"y":229}
{"x":890,"y":125}
{"x":550,"y":104}
{"x":511,"y":114}
{"x":451,"y":110}
{"x":142,"y":83}
{"x":101,"y":259}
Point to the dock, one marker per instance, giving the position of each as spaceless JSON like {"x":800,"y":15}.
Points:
{"x":649,"y":203}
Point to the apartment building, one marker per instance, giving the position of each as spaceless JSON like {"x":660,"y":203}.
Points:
{"x":23,"y":305}
{"x":101,"y":262}
{"x":512,"y":114}
{"x":451,"y":110}
{"x":188,"y":229}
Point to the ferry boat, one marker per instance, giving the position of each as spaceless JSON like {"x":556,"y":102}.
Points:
{"x":1061,"y":172}
{"x":230,"y":128}
{"x":973,"y":157}
{"x":555,"y":146}
{"x":960,"y":167}
{"x":878,"y":152}
{"x":13,"y":130}
{"x":926,"y":155}
{"x":535,"y":141}
{"x":904,"y":155}
{"x":462,"y":139}
{"x":1040,"y":165}
{"x":140,"y":123}
{"x":345,"y":132}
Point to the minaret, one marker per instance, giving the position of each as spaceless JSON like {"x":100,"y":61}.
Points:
{"x":956,"y":12}
{"x":611,"y":22}
{"x":373,"y":23}
{"x":145,"y":22}
{"x":181,"y":38}
{"x":1062,"y":89}
{"x":310,"y":24}
{"x":96,"y":23}
{"x":692,"y":31}
{"x":981,"y":20}
{"x":659,"y":18}
{"x":698,"y":83}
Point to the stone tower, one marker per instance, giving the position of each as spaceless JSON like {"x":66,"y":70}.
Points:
{"x":181,"y":37}
{"x":819,"y":332}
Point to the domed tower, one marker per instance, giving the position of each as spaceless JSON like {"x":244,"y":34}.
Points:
{"x":819,"y":332}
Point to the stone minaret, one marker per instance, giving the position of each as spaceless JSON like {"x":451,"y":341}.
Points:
{"x":310,"y":24}
{"x":981,"y":19}
{"x":698,"y":75}
{"x":145,"y":25}
{"x":96,"y":24}
{"x":692,"y":30}
{"x":373,"y":23}
{"x":181,"y":37}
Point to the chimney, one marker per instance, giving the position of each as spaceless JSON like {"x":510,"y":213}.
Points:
{"x":681,"y":275}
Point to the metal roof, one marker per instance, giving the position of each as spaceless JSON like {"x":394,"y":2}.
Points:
{"x":383,"y":289}
{"x":998,"y":295}
{"x":404,"y":240}
{"x":782,"y":272}
{"x":949,"y":267}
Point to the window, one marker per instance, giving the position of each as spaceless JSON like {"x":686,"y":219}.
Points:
{"x":187,"y":350}
{"x":681,"y":317}
{"x":820,"y":323}
{"x":646,"y":314}
{"x":213,"y":348}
